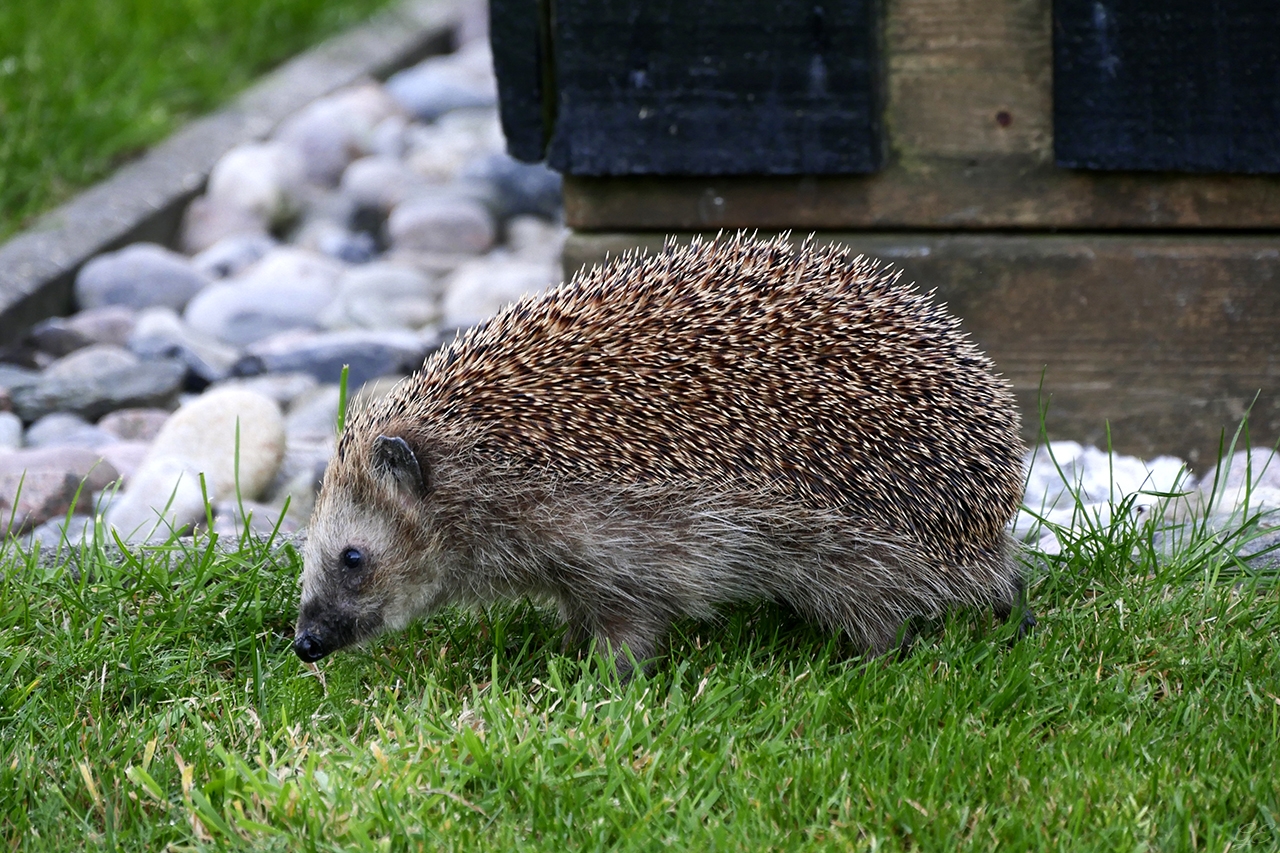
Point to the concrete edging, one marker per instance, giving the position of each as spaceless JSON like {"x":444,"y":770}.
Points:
{"x":145,"y":200}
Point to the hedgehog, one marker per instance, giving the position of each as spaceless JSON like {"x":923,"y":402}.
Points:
{"x":731,"y":421}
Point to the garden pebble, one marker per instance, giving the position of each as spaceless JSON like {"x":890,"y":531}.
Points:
{"x":517,"y":188}
{"x":232,"y":254}
{"x":93,"y":393}
{"x":207,"y":436}
{"x":263,"y":179}
{"x":37,"y":484}
{"x":441,"y":223}
{"x":135,"y":424}
{"x":126,"y":457}
{"x":429,"y":90}
{"x":383,"y":296}
{"x":477,"y":290}
{"x":61,"y":429}
{"x":160,"y":333}
{"x":381,"y":182}
{"x":56,"y":337}
{"x":10,"y":431}
{"x":111,"y":324}
{"x":207,"y":222}
{"x":284,"y":388}
{"x":368,"y":353}
{"x":334,"y":130}
{"x":287,"y":289}
{"x":138,"y":276}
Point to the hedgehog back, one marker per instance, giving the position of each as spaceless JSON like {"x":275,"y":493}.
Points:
{"x":741,"y":366}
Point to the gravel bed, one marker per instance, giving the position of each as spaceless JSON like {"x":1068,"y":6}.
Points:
{"x":366,"y":230}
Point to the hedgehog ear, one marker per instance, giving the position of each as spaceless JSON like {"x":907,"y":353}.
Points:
{"x":394,"y":458}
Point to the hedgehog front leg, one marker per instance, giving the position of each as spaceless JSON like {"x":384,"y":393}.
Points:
{"x":633,"y":641}
{"x":1017,"y":606}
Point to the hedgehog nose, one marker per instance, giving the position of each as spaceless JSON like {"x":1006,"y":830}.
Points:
{"x":309,"y":647}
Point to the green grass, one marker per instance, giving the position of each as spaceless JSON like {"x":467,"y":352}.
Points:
{"x":155,"y":701}
{"x":88,"y":84}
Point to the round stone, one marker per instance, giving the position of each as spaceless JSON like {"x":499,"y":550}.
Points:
{"x":138,"y":276}
{"x":480,"y":289}
{"x":383,"y":296}
{"x":441,"y":224}
{"x":261,"y":178}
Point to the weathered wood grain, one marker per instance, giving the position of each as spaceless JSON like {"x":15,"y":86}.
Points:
{"x":1167,"y":339}
{"x":1180,"y":84}
{"x":969,"y":135}
{"x":711,"y":87}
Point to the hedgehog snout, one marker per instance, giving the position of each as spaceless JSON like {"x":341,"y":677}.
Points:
{"x":309,"y":647}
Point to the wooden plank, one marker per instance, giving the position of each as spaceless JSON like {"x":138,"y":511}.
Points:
{"x":1183,"y":84}
{"x":712,"y":87}
{"x":969,"y":133}
{"x":520,"y":60}
{"x":1168,"y":339}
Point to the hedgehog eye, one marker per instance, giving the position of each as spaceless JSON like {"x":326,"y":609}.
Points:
{"x":351,"y":558}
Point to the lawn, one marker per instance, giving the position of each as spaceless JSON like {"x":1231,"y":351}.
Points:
{"x":153,"y":700}
{"x":87,"y":84}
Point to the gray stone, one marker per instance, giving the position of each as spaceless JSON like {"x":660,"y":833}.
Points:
{"x":15,"y":378}
{"x":331,"y":132}
{"x":138,"y":276}
{"x":369,"y":354}
{"x":284,"y":388}
{"x":61,"y":532}
{"x":380,"y":182}
{"x":262,"y":178}
{"x":441,"y":223}
{"x":60,"y":429}
{"x":439,"y":85}
{"x":38,"y":484}
{"x":480,"y":289}
{"x":206,"y":222}
{"x":440,"y":152}
{"x":135,"y":424}
{"x":56,"y":338}
{"x":383,"y":296}
{"x":533,"y":239}
{"x":287,"y":289}
{"x":108,"y":325}
{"x":149,"y":383}
{"x":160,"y":333}
{"x":313,"y":417}
{"x":233,"y":254}
{"x":337,"y":241}
{"x":388,"y":137}
{"x":517,"y":188}
{"x":10,"y":431}
{"x":91,"y":362}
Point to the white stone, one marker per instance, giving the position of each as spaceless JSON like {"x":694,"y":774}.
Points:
{"x":288,"y":288}
{"x":334,"y":130}
{"x":259,"y":177}
{"x":10,"y":431}
{"x":478,"y":290}
{"x":138,"y":276}
{"x":382,"y":296}
{"x":234,"y":438}
{"x":233,"y":254}
{"x":441,"y":224}
{"x":440,"y":152}
{"x":380,"y":182}
{"x":206,"y":222}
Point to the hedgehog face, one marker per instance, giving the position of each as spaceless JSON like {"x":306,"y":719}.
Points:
{"x":367,"y":565}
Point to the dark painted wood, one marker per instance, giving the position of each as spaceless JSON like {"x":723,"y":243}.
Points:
{"x":715,"y":87}
{"x":520,"y":61}
{"x":1185,"y":85}
{"x":1166,"y":339}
